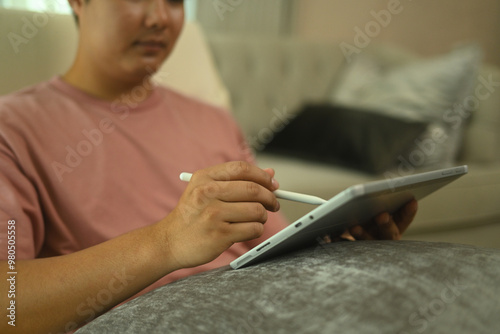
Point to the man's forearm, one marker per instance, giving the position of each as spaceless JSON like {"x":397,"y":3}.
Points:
{"x":58,"y":294}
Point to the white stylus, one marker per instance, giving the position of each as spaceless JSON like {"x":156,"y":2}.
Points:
{"x":283,"y":194}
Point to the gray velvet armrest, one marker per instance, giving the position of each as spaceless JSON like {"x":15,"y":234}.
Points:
{"x":354,"y":287}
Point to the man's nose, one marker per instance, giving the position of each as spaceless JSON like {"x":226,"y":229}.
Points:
{"x":158,"y":15}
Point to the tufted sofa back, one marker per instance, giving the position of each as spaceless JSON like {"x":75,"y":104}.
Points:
{"x":267,"y":77}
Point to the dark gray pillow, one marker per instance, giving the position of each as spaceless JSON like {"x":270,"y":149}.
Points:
{"x":346,"y":136}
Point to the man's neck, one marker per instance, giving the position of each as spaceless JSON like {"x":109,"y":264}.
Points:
{"x":105,"y":87}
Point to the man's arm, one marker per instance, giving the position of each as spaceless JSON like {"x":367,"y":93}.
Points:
{"x":221,"y":205}
{"x":58,"y":294}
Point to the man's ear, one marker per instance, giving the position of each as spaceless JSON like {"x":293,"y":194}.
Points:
{"x":76,"y":6}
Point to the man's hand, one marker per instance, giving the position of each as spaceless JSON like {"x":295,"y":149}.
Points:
{"x":385,"y":226}
{"x":221,"y":205}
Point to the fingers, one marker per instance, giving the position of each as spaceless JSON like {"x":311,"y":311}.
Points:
{"x":233,"y":192}
{"x":405,"y":215}
{"x":383,"y":228}
{"x":237,"y":222}
{"x":237,"y":213}
{"x":360,"y":233}
{"x":244,"y":191}
{"x":245,"y":231}
{"x":238,"y":171}
{"x":235,"y":182}
{"x":387,"y":227}
{"x":347,"y":236}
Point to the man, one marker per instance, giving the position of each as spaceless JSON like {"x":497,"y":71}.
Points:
{"x":99,"y":212}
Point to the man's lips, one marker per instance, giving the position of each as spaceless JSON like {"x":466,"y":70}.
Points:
{"x":151,"y":45}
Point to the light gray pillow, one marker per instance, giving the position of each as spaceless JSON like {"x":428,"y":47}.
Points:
{"x":429,"y":90}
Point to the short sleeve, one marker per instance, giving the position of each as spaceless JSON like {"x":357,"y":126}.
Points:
{"x":20,"y":206}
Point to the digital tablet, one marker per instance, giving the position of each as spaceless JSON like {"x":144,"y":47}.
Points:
{"x":356,"y":205}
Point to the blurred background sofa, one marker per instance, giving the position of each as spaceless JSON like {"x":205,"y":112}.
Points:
{"x":281,"y":75}
{"x":265,"y":81}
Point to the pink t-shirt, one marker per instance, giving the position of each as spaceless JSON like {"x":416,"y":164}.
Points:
{"x":76,"y":170}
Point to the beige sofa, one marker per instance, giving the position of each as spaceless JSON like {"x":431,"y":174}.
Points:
{"x":266,"y":80}
{"x":269,"y":79}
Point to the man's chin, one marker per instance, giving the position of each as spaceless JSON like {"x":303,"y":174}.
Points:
{"x":143,"y":70}
{"x":152,"y":64}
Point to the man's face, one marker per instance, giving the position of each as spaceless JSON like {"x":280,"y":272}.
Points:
{"x":128,"y":39}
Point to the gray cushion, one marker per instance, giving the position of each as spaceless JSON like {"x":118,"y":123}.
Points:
{"x":429,"y":89}
{"x":353,"y":287}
